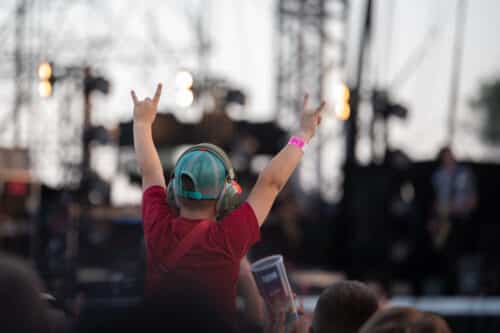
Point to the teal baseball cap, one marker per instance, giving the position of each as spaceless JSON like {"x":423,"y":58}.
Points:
{"x":206,"y":171}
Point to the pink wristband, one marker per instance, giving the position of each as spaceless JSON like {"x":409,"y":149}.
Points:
{"x":296,"y":141}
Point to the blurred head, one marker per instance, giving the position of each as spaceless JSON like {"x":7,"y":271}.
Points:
{"x":203,"y":183}
{"x":404,"y":320}
{"x":21,"y":306}
{"x":446,"y":157}
{"x":203,"y":171}
{"x":199,"y":179}
{"x":344,"y":308}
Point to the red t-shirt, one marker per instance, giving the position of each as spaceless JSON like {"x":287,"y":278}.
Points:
{"x":213,"y":261}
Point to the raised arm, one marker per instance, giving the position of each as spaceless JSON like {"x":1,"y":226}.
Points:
{"x":275,"y":175}
{"x":145,"y":150}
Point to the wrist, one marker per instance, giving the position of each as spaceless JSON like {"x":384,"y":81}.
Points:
{"x":245,"y":274}
{"x":245,"y":269}
{"x":142,"y":123}
{"x":297,"y":141}
{"x":305,"y":136}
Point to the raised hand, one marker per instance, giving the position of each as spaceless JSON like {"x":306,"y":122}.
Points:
{"x":310,"y":119}
{"x":147,"y":157}
{"x":145,"y":110}
{"x":276,"y":322}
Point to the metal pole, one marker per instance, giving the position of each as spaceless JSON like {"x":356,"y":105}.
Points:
{"x":456,"y":68}
{"x":352,"y":123}
{"x":319,"y":149}
{"x":18,"y":69}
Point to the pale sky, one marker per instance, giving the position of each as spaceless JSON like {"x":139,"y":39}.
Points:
{"x":137,"y":44}
{"x":426,"y":92}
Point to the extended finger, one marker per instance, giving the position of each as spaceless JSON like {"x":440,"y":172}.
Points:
{"x":306,"y":99}
{"x":156,"y":98}
{"x":134,"y":97}
{"x":321,"y":107}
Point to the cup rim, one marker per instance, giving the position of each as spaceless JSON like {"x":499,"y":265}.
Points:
{"x":260,"y":264}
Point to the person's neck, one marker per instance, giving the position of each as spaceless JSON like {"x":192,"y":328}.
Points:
{"x":197,"y":214}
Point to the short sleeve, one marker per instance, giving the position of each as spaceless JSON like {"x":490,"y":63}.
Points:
{"x":154,"y":207}
{"x":241,"y":230}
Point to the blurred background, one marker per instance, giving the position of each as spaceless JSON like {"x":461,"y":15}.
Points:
{"x":399,"y":187}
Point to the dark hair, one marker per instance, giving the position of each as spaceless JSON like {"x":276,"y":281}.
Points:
{"x":21,"y":306}
{"x":187,"y":183}
{"x":344,"y":307}
{"x":404,"y":320}
{"x":442,"y":152}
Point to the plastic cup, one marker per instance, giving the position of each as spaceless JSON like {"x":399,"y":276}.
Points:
{"x":272,"y":281}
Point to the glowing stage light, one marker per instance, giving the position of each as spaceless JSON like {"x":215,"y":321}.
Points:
{"x":184,"y":98}
{"x":184,"y":80}
{"x":45,"y":88}
{"x":343,"y":111}
{"x":44,"y":71}
{"x":341,"y":92}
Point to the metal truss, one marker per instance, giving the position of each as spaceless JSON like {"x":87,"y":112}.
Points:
{"x":309,"y":51}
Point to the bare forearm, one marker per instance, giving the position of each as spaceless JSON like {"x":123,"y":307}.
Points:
{"x":275,"y":175}
{"x":147,"y":156}
{"x":272,"y":180}
{"x":281,"y":167}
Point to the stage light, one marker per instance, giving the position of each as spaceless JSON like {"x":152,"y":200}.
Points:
{"x":46,"y":79}
{"x":184,"y":98}
{"x":341,"y":96}
{"x":45,"y":88}
{"x":341,"y":92}
{"x":343,"y":111}
{"x":44,"y":71}
{"x":184,"y":80}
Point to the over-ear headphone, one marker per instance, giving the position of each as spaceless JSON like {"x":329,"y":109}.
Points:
{"x":230,"y":196}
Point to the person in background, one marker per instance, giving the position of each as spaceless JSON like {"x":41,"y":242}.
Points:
{"x":455,"y":198}
{"x":24,"y":308}
{"x":451,"y":230}
{"x":188,"y":235}
{"x":344,"y":307}
{"x":341,"y":308}
{"x":404,"y":320}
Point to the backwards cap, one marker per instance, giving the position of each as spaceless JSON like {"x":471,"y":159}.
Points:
{"x":206,"y":171}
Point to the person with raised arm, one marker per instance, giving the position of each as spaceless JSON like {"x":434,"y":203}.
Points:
{"x":196,"y":229}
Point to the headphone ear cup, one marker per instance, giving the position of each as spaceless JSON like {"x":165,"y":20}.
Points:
{"x":229,"y":199}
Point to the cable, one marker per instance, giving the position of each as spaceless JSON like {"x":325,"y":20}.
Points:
{"x":418,"y":55}
{"x":388,"y":48}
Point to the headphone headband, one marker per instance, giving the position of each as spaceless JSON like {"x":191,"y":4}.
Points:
{"x":217,"y":151}
{"x":230,"y":196}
